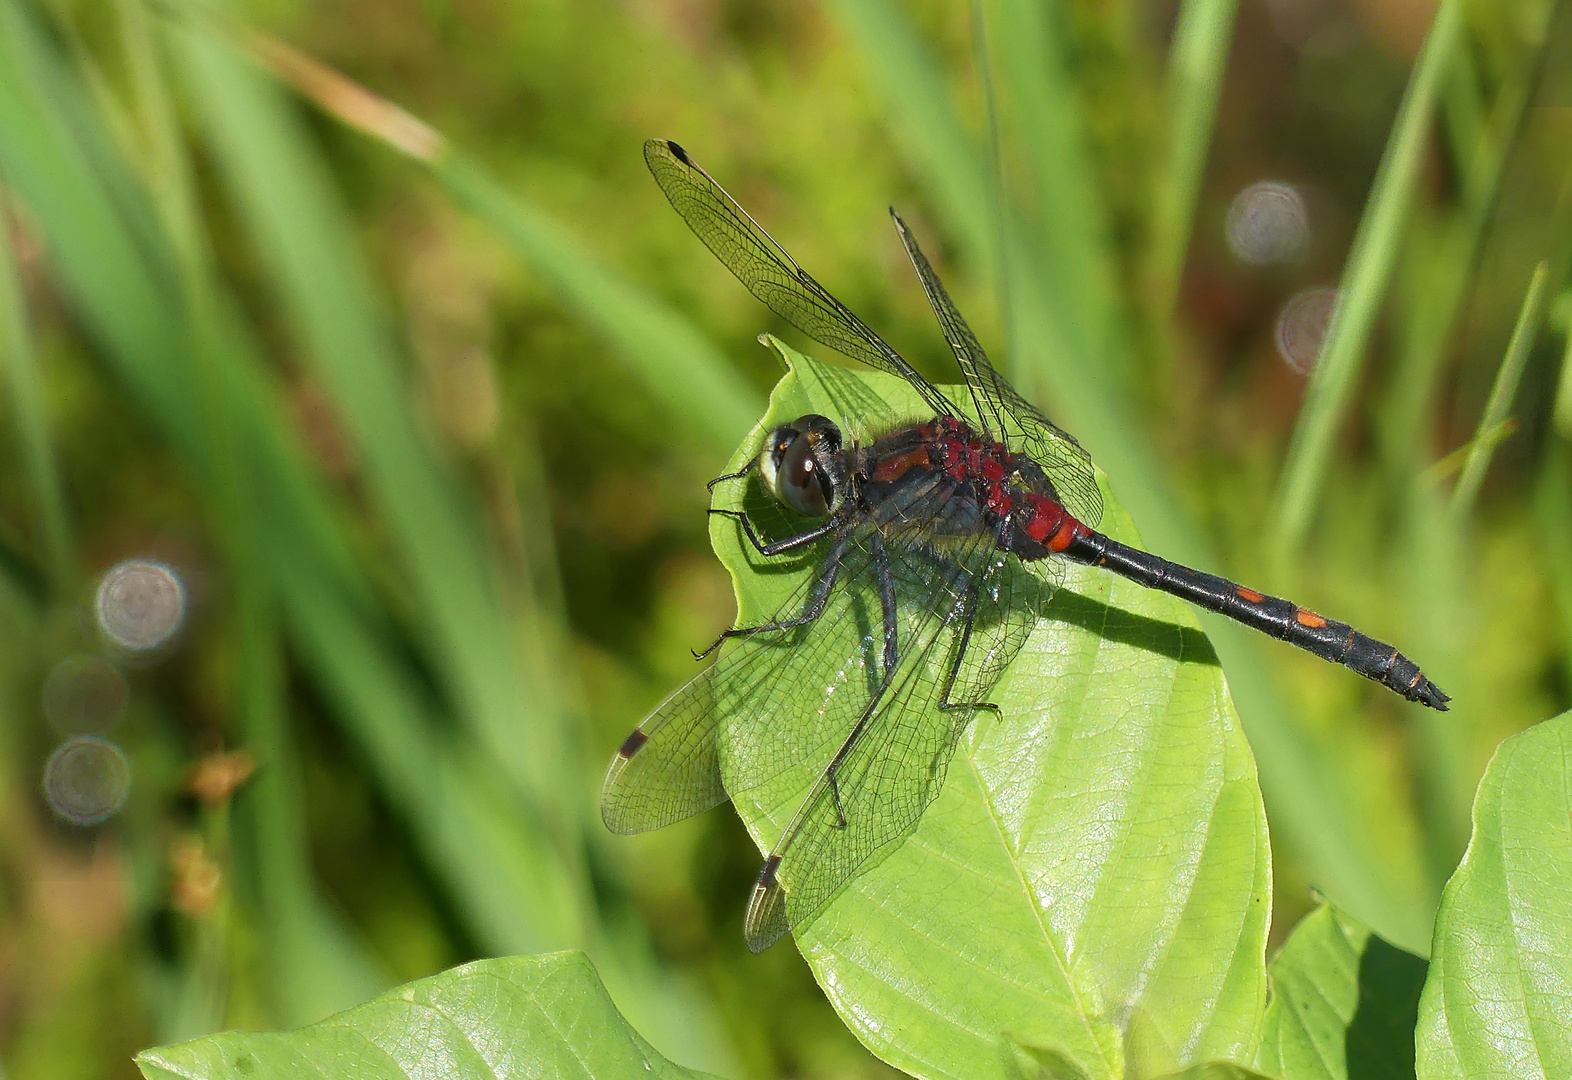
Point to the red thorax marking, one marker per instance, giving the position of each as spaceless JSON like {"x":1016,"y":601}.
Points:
{"x":894,"y":468}
{"x":986,"y":464}
{"x":1051,"y":524}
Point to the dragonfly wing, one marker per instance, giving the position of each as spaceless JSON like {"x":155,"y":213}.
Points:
{"x":765,"y":693}
{"x":1066,"y":462}
{"x":875,"y":784}
{"x":768,"y":271}
{"x":882,"y":787}
{"x":963,"y":343}
{"x":1003,"y":412}
{"x":667,"y":769}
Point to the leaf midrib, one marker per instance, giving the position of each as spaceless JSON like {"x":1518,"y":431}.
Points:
{"x":1028,"y":894}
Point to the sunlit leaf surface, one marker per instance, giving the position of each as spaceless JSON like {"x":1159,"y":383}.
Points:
{"x":1498,"y":1002}
{"x":545,"y":1016}
{"x":1094,"y":877}
{"x":1024,"y":1062}
{"x":1343,"y":1004}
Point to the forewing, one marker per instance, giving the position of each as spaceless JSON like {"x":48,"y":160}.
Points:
{"x":767,"y":270}
{"x":1066,"y":462}
{"x":1003,"y":412}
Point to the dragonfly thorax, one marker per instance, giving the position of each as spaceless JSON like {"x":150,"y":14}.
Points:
{"x":801,"y":464}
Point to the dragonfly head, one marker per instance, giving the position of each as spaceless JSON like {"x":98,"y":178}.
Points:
{"x":800,"y":464}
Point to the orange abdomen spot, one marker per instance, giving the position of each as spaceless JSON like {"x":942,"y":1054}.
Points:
{"x":1309,"y":618}
{"x":1249,"y":596}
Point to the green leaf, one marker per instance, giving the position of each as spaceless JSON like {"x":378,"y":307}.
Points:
{"x":1094,"y":876}
{"x":1500,"y":987}
{"x":521,"y":1016}
{"x":1343,"y":1003}
{"x":1025,"y":1062}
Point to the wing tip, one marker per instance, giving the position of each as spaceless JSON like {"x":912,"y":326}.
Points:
{"x":766,"y":922}
{"x":655,"y":149}
{"x":633,"y":743}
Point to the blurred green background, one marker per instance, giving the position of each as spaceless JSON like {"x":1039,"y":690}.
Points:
{"x":356,"y":337}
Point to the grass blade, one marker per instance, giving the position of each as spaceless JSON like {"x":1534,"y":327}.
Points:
{"x":665,"y":351}
{"x":1432,"y":572}
{"x":29,"y":413}
{"x":1197,"y":60}
{"x":945,"y":159}
{"x":316,"y":966}
{"x":1553,"y":516}
{"x":519,"y":868}
{"x":1071,"y":240}
{"x":287,"y":203}
{"x":111,"y":264}
{"x":1501,"y":394}
{"x":1563,"y":408}
{"x":1443,"y":257}
{"x":461,"y":811}
{"x":1363,"y":288}
{"x":661,"y":347}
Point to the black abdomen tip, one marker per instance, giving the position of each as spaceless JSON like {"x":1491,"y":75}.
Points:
{"x":1428,"y":693}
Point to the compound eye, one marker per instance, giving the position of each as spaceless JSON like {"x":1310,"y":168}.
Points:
{"x":826,"y":434}
{"x":800,"y":485}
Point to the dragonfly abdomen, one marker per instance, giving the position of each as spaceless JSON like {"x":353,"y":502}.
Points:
{"x":1283,"y":619}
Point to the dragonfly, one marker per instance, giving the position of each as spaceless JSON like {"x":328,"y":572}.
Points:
{"x":934,"y":546}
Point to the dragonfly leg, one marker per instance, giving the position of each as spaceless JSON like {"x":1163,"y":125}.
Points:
{"x":776,"y":547}
{"x":886,"y":578}
{"x":739,"y":474}
{"x":968,"y":620}
{"x":832,"y":771}
{"x":817,"y":600}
